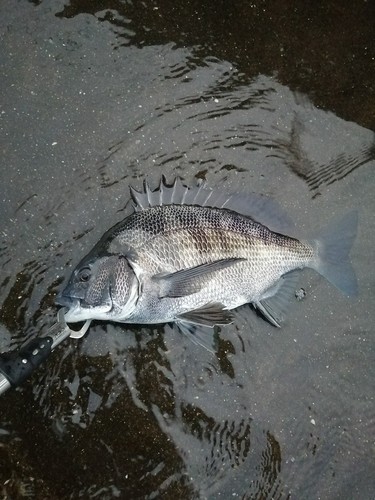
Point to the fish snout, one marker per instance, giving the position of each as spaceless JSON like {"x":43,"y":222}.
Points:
{"x":64,"y":300}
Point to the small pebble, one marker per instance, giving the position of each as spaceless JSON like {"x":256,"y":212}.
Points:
{"x":300,"y":294}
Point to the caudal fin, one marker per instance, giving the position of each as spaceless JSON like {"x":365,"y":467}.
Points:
{"x":333,"y":246}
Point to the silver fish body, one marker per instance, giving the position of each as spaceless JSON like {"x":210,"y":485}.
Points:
{"x":186,"y":255}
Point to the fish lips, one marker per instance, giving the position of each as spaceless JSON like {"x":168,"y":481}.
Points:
{"x":79,"y":312}
{"x":66,"y":300}
{"x":70,"y":297}
{"x":74,"y":307}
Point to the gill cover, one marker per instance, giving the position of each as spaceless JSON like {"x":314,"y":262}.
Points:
{"x":99,"y":288}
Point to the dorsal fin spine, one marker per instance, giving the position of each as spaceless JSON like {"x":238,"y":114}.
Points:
{"x":259,"y":208}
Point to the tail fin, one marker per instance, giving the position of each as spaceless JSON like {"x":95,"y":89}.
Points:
{"x":333,"y":246}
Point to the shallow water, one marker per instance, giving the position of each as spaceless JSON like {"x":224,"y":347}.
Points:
{"x":250,"y":97}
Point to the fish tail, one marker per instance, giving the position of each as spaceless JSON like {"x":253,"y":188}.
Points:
{"x":333,"y":246}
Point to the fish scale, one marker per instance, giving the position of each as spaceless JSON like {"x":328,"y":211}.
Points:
{"x":263,"y":260}
{"x":174,"y":260}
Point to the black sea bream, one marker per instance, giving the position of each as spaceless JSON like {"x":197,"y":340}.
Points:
{"x":189,"y":255}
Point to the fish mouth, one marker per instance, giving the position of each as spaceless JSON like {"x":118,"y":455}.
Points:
{"x":72,"y":315}
{"x":66,"y":301}
{"x":78,"y":311}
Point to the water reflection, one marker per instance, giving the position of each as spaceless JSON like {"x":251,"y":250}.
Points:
{"x":264,"y":121}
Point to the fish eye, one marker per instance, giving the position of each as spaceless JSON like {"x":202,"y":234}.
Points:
{"x":84,"y":274}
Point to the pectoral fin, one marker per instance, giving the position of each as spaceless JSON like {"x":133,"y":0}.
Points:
{"x":192,"y":280}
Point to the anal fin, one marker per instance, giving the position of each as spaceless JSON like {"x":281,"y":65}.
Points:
{"x":275,"y":300}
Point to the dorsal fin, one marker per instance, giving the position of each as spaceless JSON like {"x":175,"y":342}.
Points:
{"x":259,"y":207}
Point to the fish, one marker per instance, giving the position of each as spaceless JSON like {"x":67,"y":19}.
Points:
{"x":191,"y":255}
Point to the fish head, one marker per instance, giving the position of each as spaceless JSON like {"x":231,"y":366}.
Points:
{"x":100,"y":288}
